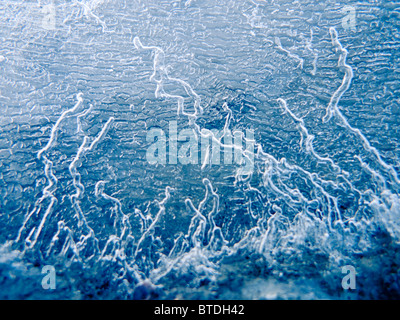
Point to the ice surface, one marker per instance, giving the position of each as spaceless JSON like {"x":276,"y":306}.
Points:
{"x":83,"y":82}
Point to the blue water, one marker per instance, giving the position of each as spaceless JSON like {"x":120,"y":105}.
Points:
{"x":82,"y":84}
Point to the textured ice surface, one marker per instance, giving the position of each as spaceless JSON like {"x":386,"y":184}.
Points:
{"x":83,"y":82}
